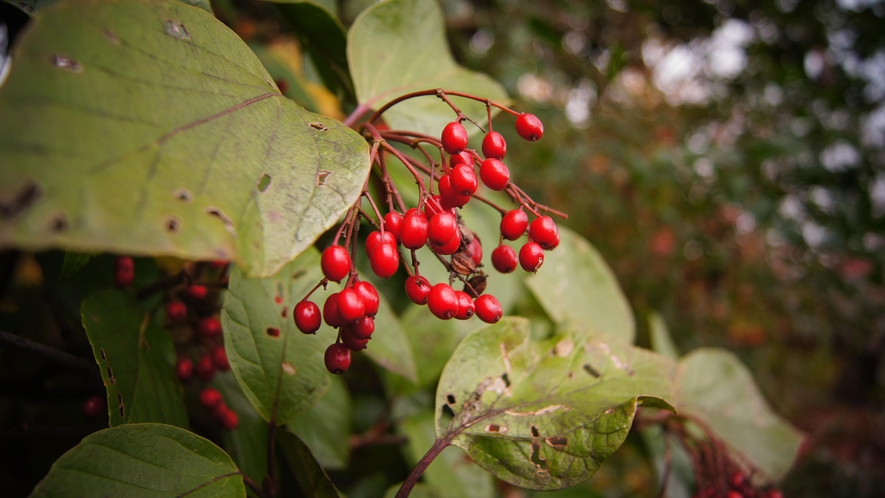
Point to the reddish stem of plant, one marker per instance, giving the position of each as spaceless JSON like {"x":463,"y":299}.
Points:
{"x":419,"y":469}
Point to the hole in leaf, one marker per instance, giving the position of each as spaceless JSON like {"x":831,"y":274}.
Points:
{"x":506,"y":379}
{"x":122,"y":408}
{"x":104,"y":355}
{"x":322,"y":176}
{"x":535,"y":432}
{"x":319,"y":126}
{"x":111,"y":37}
{"x":493,"y":428}
{"x":298,"y":274}
{"x":590,"y":370}
{"x":111,"y":377}
{"x":536,"y":458}
{"x":59,"y":223}
{"x":450,"y":398}
{"x":67,"y":64}
{"x":288,"y":368}
{"x":177,"y":30}
{"x":27,"y":195}
{"x":264,"y":183}
{"x":173,"y":224}
{"x":557,"y":442}
{"x":446,"y":409}
{"x":285,"y":312}
{"x":570,"y":375}
{"x":228,"y":223}
{"x":273,"y":331}
{"x":184,"y":195}
{"x":280,"y":292}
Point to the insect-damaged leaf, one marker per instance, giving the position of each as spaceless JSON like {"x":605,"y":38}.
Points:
{"x":148,"y":127}
{"x":545,"y":415}
{"x":143,"y":461}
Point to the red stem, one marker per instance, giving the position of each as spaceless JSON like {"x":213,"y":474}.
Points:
{"x":418,"y":471}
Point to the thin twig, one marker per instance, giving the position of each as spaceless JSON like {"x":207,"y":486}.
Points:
{"x":49,"y":353}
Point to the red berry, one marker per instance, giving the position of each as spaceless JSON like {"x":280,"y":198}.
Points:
{"x":414,"y":233}
{"x":737,"y":480}
{"x":362,"y":328}
{"x":529,"y":127}
{"x":94,"y":406}
{"x":352,"y":343}
{"x":734,"y":494}
{"x":442,"y":301}
{"x":371,"y":299}
{"x":230,"y":420}
{"x":205,"y":368}
{"x":337,"y":358}
{"x":176,"y":311}
{"x":514,"y":223}
{"x":531,"y":257}
{"x":474,"y":250}
{"x":450,"y":248}
{"x":384,"y":260}
{"x":185,"y":369}
{"x":494,"y":174}
{"x":417,"y":288}
{"x":488,"y":308}
{"x":466,"y":308}
{"x":450,"y":198}
{"x":436,"y":204}
{"x":350,"y":305}
{"x":197,"y":292}
{"x":504,"y":259}
{"x":494,"y":145}
{"x":462,"y":157}
{"x":463,"y":180}
{"x":454,"y":137}
{"x":443,"y":227}
{"x":125,"y":272}
{"x":330,"y":311}
{"x":543,"y":231}
{"x":775,"y":493}
{"x":376,"y":238}
{"x":393,"y":223}
{"x":209,"y":326}
{"x":210,"y":398}
{"x":219,"y":359}
{"x":307,"y":317}
{"x":336,"y":263}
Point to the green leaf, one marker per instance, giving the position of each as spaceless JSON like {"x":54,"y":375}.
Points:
{"x":135,"y":355}
{"x":143,"y":461}
{"x":31,"y":6}
{"x":545,"y":415}
{"x":312,"y":479}
{"x":73,"y":262}
{"x":399,"y":46}
{"x":325,"y":428}
{"x":280,"y":370}
{"x":659,"y":334}
{"x":150,"y":128}
{"x":247,"y":444}
{"x":576,"y":286}
{"x":713,"y":386}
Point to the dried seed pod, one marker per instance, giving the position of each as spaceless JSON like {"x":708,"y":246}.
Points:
{"x":476,"y":285}
{"x":462,"y":263}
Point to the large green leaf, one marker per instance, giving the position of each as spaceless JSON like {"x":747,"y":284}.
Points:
{"x":135,"y":356}
{"x":399,"y":46}
{"x":325,"y":428}
{"x":312,"y":479}
{"x":31,"y":6}
{"x":148,"y":127}
{"x":545,"y":415}
{"x":714,"y":387}
{"x":143,"y":461}
{"x":247,"y":444}
{"x":576,"y":286}
{"x":280,"y":369}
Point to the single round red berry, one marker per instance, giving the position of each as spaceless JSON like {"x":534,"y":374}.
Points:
{"x":351,"y":342}
{"x":230,"y":420}
{"x":209,"y":326}
{"x":336,"y":263}
{"x":176,"y":311}
{"x":307,"y":317}
{"x":337,"y":358}
{"x":531,"y":257}
{"x":443,"y":227}
{"x":494,"y":174}
{"x":94,"y":406}
{"x":210,"y":397}
{"x":543,"y":231}
{"x":330,"y":311}
{"x":350,"y":305}
{"x":442,"y":301}
{"x":454,"y":137}
{"x":205,"y":368}
{"x":466,"y":308}
{"x":393,"y":223}
{"x":463,"y":180}
{"x":450,"y":248}
{"x":369,"y":294}
{"x":474,"y":250}
{"x":488,"y":308}
{"x":362,"y":328}
{"x":417,"y":288}
{"x":384,"y":260}
{"x":124,"y":272}
{"x":433,"y":205}
{"x":414,"y":233}
{"x":219,"y":359}
{"x":185,"y":369}
{"x":462,"y":157}
{"x":376,"y":238}
{"x":737,"y":480}
{"x":494,"y":145}
{"x":448,"y":197}
{"x":197,"y":292}
{"x":529,"y":127}
{"x":514,"y":224}
{"x":504,"y":259}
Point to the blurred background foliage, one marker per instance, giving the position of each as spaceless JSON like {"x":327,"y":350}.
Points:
{"x":726,"y":157}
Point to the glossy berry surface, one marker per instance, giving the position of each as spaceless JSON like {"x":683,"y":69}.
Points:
{"x":504,"y":259}
{"x":209,"y":326}
{"x":219,"y":359}
{"x":494,"y":145}
{"x":414,"y":232}
{"x":210,"y":397}
{"x":543,"y":231}
{"x":418,"y":288}
{"x":448,"y":196}
{"x":330,"y":311}
{"x":124,"y":273}
{"x":494,"y":174}
{"x":514,"y":224}
{"x":529,"y":127}
{"x":362,"y":328}
{"x":446,"y":249}
{"x":376,"y":238}
{"x":351,"y":342}
{"x":185,"y":369}
{"x":393,"y":223}
{"x":350,"y":305}
{"x":337,"y":358}
{"x":463,"y":180}
{"x":307,"y":317}
{"x":531,"y":257}
{"x":488,"y":308}
{"x":474,"y":250}
{"x":176,"y":311}
{"x":454,"y":137}
{"x":197,"y":292}
{"x":442,"y":301}
{"x":94,"y":406}
{"x":443,"y":227}
{"x":466,"y":308}
{"x":462,"y":157}
{"x":369,"y":295}
{"x":384,"y":260}
{"x":336,"y":263}
{"x":205,"y":368}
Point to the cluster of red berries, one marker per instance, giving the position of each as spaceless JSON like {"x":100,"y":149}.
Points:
{"x":738,"y":486}
{"x":212,"y":400}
